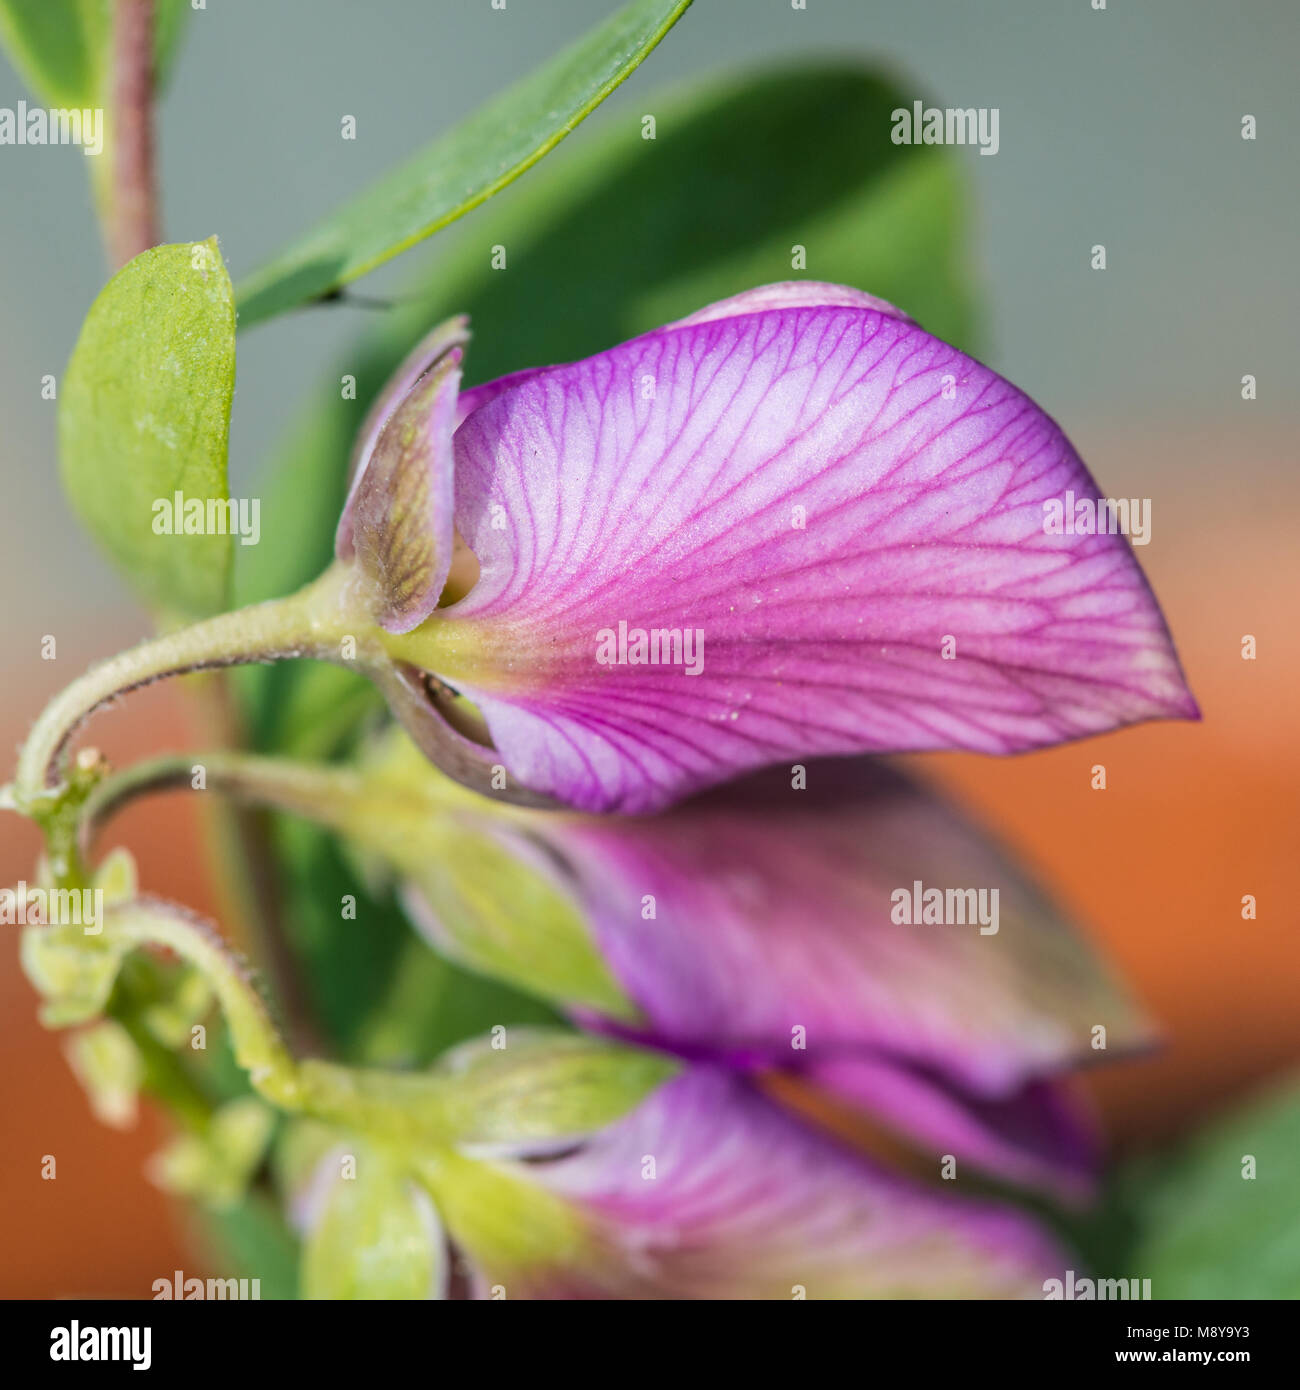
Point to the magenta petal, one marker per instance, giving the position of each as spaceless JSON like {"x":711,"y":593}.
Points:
{"x":832,"y":498}
{"x":743,"y":1202}
{"x":773,"y":939}
{"x":756,"y":926}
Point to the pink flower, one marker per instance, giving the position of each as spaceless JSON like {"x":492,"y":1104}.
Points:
{"x":791,"y":525}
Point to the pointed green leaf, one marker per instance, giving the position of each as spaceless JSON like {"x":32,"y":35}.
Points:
{"x":458,"y":171}
{"x":144,"y":414}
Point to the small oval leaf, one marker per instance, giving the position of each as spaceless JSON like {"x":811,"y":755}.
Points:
{"x":144,"y":418}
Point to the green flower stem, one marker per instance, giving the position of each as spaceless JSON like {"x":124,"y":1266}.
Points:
{"x":164,"y":1077}
{"x":318,"y":792}
{"x":404,"y":1109}
{"x":257,"y":1044}
{"x":312,"y":622}
{"x":506,"y":917}
{"x":339,"y":798}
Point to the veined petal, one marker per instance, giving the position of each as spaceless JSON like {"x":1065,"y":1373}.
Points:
{"x":708,"y":1191}
{"x":784,"y":934}
{"x":787,"y":531}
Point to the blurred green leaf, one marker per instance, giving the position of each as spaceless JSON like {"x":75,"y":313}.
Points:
{"x":144,"y":412}
{"x":252,"y":1241}
{"x":57,"y":47}
{"x":60,"y":47}
{"x":169,"y":18}
{"x":1206,"y":1230}
{"x":473,"y":161}
{"x":623,"y":234}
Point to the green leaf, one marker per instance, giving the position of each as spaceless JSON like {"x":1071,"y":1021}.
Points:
{"x":144,"y":413}
{"x":251,"y":1241}
{"x":57,"y":47}
{"x":375,"y":1237}
{"x":464,"y":167}
{"x":1207,"y":1229}
{"x":624,"y":234}
{"x":61,"y":47}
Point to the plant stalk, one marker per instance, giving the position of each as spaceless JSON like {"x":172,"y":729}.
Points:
{"x":312,"y":622}
{"x":133,"y":199}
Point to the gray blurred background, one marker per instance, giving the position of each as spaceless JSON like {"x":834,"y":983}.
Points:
{"x":1120,"y":127}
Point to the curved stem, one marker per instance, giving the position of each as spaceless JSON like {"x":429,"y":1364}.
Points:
{"x":257,"y":1044}
{"x":399,"y":1105}
{"x":309,"y":623}
{"x":317,"y":792}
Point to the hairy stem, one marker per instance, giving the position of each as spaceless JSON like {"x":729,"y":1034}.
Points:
{"x":133,"y":217}
{"x":310,"y":623}
{"x":317,"y":792}
{"x":257,"y":1044}
{"x":399,"y":1106}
